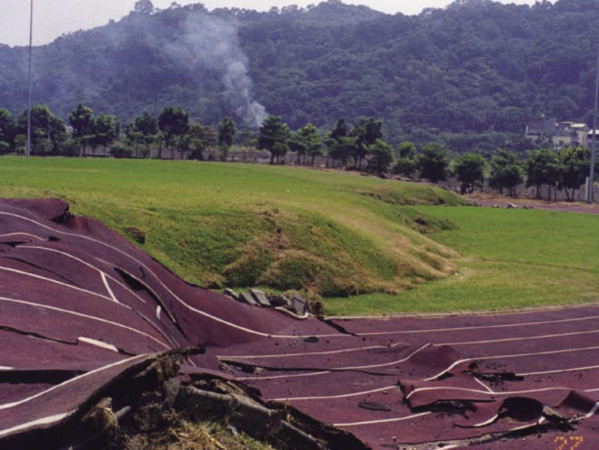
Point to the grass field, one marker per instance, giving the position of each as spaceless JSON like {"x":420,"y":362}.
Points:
{"x":336,"y":234}
{"x":242,"y":225}
{"x":510,"y":259}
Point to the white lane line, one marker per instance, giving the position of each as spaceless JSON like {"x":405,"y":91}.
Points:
{"x":480,"y":327}
{"x":392,"y":363}
{"x":85,"y":263}
{"x":72,"y":380}
{"x":279,"y":377}
{"x":492,"y":393}
{"x":335,"y":397}
{"x":159,"y":281}
{"x":515,"y":355}
{"x":106,"y":276}
{"x":50,"y":280}
{"x":6,"y":368}
{"x":514,"y":339}
{"x":336,"y":369}
{"x":158,"y":311}
{"x":43,"y":421}
{"x":483,"y":384}
{"x":98,"y":319}
{"x":97,"y":343}
{"x":486,"y":422}
{"x":105,"y":281}
{"x":330,"y":352}
{"x":591,"y":412}
{"x":19,"y":233}
{"x":376,"y":422}
{"x":547,"y":372}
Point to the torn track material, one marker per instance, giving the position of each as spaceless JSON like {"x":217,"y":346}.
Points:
{"x":89,"y":324}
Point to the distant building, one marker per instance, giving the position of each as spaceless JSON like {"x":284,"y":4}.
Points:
{"x":558,"y":134}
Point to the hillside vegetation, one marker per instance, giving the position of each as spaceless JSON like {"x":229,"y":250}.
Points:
{"x":471,"y":75}
{"x":241,"y":225}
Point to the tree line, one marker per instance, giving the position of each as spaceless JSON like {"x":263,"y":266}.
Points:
{"x":354,"y":147}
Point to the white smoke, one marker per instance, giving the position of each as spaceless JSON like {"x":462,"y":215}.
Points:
{"x":212,"y":43}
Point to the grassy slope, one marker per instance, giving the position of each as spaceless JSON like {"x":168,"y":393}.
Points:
{"x":238,"y":225}
{"x":509,"y":259}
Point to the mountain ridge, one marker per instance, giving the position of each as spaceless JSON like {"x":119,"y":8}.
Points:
{"x":475,"y":67}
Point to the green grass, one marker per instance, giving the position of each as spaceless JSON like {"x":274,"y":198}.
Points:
{"x":509,"y":259}
{"x":240,"y":225}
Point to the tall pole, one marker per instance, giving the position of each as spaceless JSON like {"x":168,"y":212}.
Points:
{"x":591,"y":192}
{"x":28,"y":148}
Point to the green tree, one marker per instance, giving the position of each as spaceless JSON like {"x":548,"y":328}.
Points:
{"x":340,"y":131}
{"x":366,"y":132}
{"x":470,"y":171}
{"x":506,"y":172}
{"x":407,"y":150}
{"x":199,"y":138}
{"x":7,"y":130}
{"x":104,"y":131}
{"x":381,"y":157}
{"x":542,"y":168}
{"x":342,"y":149}
{"x":405,"y":167}
{"x":146,"y":129}
{"x":574,"y":168}
{"x":273,"y":136}
{"x":144,"y":7}
{"x":433,"y":163}
{"x":307,"y":142}
{"x":82,"y":121}
{"x":48,"y":132}
{"x":226,"y":133}
{"x":173,"y":122}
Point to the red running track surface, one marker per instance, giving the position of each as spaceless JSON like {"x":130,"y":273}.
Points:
{"x":79,"y":302}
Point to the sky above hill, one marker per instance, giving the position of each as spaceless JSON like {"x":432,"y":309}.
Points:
{"x":56,"y":17}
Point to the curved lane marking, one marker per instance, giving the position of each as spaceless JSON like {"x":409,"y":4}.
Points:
{"x":43,"y":421}
{"x":98,"y":319}
{"x":20,"y":233}
{"x":547,"y":372}
{"x":492,"y":393}
{"x":50,"y":280}
{"x":515,"y":339}
{"x":330,"y":352}
{"x":478,"y":327}
{"x":509,"y":356}
{"x":377,"y":422}
{"x":336,"y":369}
{"x":72,"y":380}
{"x":335,"y":397}
{"x":85,"y":263}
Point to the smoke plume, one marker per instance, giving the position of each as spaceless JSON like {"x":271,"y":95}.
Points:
{"x":212,"y":42}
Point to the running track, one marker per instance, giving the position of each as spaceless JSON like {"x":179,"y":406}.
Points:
{"x":79,"y":305}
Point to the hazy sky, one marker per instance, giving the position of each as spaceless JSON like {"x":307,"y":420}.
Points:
{"x":55,"y":17}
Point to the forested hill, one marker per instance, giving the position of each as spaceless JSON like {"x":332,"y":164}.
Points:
{"x":476,"y":66}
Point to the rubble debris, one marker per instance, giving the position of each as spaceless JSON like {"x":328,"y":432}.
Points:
{"x":231,"y":294}
{"x":300,"y":305}
{"x":260,"y":298}
{"x":246,"y":297}
{"x":279,"y":301}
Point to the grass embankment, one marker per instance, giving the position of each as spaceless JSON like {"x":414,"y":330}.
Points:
{"x":242,"y":225}
{"x":510,"y":259}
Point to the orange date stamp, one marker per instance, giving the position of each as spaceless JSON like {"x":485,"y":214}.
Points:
{"x":568,"y":443}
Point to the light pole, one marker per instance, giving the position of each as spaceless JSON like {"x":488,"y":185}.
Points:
{"x":591,"y":191}
{"x":28,"y":148}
